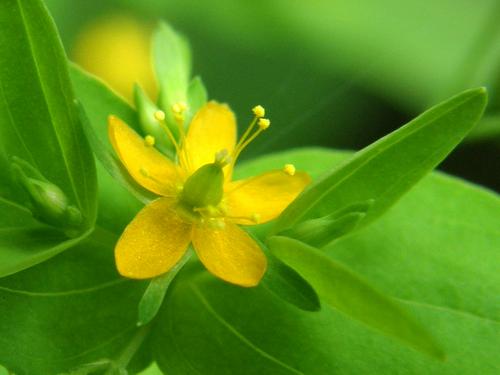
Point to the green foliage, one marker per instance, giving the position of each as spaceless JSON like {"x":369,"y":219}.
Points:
{"x":52,"y":170}
{"x":69,"y":311}
{"x":386,"y":169}
{"x":117,"y":202}
{"x":155,"y":292}
{"x":446,"y":280}
{"x":423,"y":272}
{"x":37,"y":104}
{"x":348,"y":293}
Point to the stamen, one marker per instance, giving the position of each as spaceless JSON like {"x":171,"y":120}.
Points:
{"x":160,"y":117}
{"x":246,"y":139}
{"x":264,"y":123}
{"x":149,"y":140}
{"x":179,"y":110}
{"x":259,"y":111}
{"x":289,"y":169}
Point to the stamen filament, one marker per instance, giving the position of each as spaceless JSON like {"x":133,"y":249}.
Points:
{"x":247,"y":133}
{"x":160,"y":117}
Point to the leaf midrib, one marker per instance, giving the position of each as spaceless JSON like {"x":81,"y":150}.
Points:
{"x":197,"y":292}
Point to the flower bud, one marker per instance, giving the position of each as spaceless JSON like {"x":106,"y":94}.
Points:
{"x":48,"y":202}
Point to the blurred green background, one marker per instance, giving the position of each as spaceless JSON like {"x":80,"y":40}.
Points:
{"x":330,"y":73}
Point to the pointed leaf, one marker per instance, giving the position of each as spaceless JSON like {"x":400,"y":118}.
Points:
{"x":388,"y":168}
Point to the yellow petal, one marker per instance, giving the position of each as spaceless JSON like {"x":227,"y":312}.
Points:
{"x":213,"y":129}
{"x":262,"y":198}
{"x":149,"y":167}
{"x":153,"y":242}
{"x":230,"y":254}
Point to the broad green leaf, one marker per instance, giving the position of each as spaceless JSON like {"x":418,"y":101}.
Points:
{"x":155,"y":292}
{"x":388,"y":168}
{"x":70,"y":311}
{"x":38,"y":119}
{"x":117,"y":205}
{"x":345,"y":291}
{"x":447,"y":279}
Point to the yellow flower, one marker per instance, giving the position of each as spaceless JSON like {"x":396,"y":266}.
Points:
{"x":198,"y":201}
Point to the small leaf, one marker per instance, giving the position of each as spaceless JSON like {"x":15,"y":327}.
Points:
{"x":172,"y":59}
{"x":321,"y":231}
{"x":287,"y":284}
{"x":388,"y":168}
{"x":197,"y":97}
{"x":153,"y":296}
{"x":347,"y":292}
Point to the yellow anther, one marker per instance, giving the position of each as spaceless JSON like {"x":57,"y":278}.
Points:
{"x":259,"y":111}
{"x":289,"y":169}
{"x":264,"y":123}
{"x":159,"y":115}
{"x":179,"y":107}
{"x":149,"y":140}
{"x":255,"y":218}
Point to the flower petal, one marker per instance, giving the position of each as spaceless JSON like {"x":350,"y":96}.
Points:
{"x":148,"y":166}
{"x":153,"y":242}
{"x":230,"y":254}
{"x":213,"y":129}
{"x":259,"y":199}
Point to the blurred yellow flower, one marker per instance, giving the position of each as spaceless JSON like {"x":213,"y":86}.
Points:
{"x":199,"y":203}
{"x":117,"y":49}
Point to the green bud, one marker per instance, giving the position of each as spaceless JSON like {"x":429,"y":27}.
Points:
{"x":48,"y":202}
{"x":204,"y":187}
{"x":321,"y":231}
{"x":149,"y":125}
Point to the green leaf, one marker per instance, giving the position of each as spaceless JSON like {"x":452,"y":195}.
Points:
{"x":197,"y":97}
{"x":72,"y":310}
{"x":155,"y":292}
{"x":388,"y":168}
{"x":117,"y":204}
{"x":351,"y":295}
{"x":172,"y":59}
{"x":447,"y":279}
{"x":25,"y":242}
{"x":38,"y":119}
{"x":288,"y":285}
{"x":319,"y":232}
